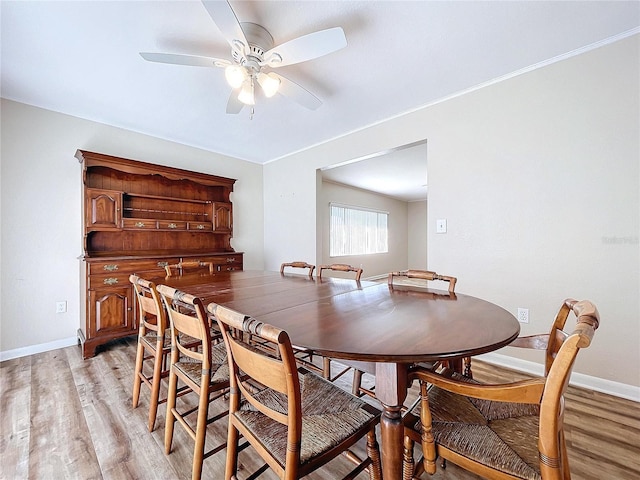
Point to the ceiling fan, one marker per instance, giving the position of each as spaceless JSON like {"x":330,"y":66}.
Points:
{"x":254,"y":55}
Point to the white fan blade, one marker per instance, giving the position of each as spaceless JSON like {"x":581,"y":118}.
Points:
{"x":234,"y":105}
{"x":307,"y":47}
{"x":225,"y":18}
{"x":304,"y":97}
{"x":179,"y":59}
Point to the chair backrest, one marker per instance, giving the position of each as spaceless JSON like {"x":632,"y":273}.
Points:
{"x":151,"y":311}
{"x":340,"y":267}
{"x":183,"y":267}
{"x":561,"y":362}
{"x":561,"y":351}
{"x":188,"y":320}
{"x":424,"y":275}
{"x":298,"y":265}
{"x":277,"y":372}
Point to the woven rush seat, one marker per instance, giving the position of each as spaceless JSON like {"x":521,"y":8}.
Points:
{"x":324,"y":424}
{"x":151,"y":339}
{"x":500,"y":435}
{"x":219,"y":365}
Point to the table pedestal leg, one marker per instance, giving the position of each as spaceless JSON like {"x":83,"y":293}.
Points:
{"x":391,"y":390}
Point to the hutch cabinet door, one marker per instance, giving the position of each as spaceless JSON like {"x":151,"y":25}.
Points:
{"x":103,"y":209}
{"x":110,"y":311}
{"x":222,"y":216}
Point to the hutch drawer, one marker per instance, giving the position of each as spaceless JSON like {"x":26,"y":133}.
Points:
{"x":200,"y":226}
{"x":171,"y":225}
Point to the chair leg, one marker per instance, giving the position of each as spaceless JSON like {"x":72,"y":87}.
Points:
{"x":373,"y":452}
{"x":137,"y":381}
{"x":201,"y":429}
{"x":408,"y":465}
{"x":231,"y":465}
{"x":155,"y":386}
{"x":357,"y":382}
{"x":171,"y":419}
{"x":467,"y":367}
{"x":326,"y":368}
{"x":428,"y":442}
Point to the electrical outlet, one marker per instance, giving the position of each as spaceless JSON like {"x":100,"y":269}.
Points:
{"x":523,"y":315}
{"x":61,"y":307}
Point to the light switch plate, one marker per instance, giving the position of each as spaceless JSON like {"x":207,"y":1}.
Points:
{"x":441,"y":225}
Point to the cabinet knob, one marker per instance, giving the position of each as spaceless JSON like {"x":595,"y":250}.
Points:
{"x":110,"y":281}
{"x":111,"y":267}
{"x":230,"y":259}
{"x":139,"y":224}
{"x":200,"y":227}
{"x":172,"y":225}
{"x":162,"y":264}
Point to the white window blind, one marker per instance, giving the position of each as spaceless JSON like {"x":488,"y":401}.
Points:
{"x":356,"y":231}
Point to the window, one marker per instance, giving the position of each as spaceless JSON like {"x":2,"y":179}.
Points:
{"x":356,"y":231}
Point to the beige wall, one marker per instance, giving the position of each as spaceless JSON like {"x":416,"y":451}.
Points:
{"x":538,"y":177}
{"x":417,"y":225}
{"x":375,"y":264}
{"x":41,"y":220}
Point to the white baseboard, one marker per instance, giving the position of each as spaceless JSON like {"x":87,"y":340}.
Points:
{"x":609,"y":387}
{"x":33,"y":349}
{"x":373,"y":278}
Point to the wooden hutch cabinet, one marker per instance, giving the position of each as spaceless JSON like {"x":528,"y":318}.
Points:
{"x":138,"y":218}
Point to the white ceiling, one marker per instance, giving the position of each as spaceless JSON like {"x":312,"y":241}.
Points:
{"x":82,"y":58}
{"x":400,"y":173}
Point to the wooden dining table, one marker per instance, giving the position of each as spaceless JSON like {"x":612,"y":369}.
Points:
{"x":389,"y":327}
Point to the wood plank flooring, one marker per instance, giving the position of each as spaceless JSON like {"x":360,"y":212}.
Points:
{"x":63,"y":417}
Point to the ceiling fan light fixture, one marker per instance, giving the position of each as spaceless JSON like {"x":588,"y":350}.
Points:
{"x":252,"y":49}
{"x":269,"y":83}
{"x":246,"y":94}
{"x":235,"y":75}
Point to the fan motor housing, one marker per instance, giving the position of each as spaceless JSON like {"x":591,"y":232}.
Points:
{"x":259,"y":39}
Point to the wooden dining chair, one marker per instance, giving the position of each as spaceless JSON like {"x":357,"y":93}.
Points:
{"x":340,"y":267}
{"x":303,"y":265}
{"x":304,"y":357}
{"x":205,"y":371}
{"x":295,"y":420}
{"x":154,"y":345}
{"x":185,"y":267}
{"x":429,"y":276}
{"x":337,"y":267}
{"x":420,"y":276}
{"x":507,"y":431}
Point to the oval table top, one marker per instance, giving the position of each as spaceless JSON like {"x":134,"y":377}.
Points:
{"x":368,"y":321}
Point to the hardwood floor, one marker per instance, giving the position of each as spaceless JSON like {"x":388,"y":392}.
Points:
{"x":67,"y":418}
